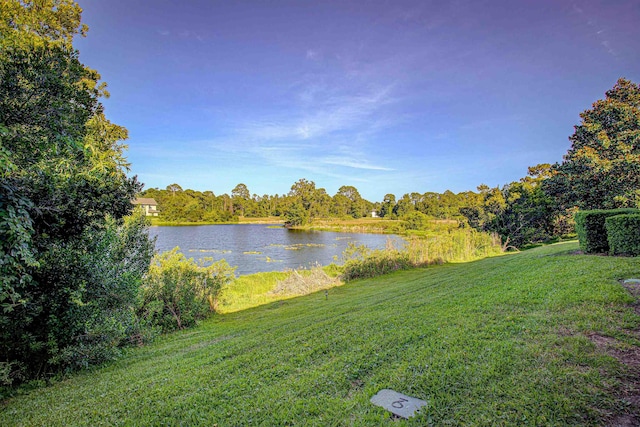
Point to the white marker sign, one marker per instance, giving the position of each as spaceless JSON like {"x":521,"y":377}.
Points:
{"x":397,"y":403}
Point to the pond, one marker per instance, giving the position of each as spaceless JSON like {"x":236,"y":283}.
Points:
{"x":255,"y":248}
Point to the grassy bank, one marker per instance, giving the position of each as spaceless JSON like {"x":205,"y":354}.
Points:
{"x":376,"y":225}
{"x":158,"y":221}
{"x":261,"y":288}
{"x":511,"y":340}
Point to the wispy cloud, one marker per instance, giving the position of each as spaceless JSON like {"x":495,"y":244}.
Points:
{"x":312,"y":55}
{"x":351,"y":163}
{"x":599,"y":33}
{"x":329,"y":115}
{"x":325,"y":133}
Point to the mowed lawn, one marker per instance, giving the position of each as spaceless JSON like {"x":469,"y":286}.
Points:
{"x":502,"y":341}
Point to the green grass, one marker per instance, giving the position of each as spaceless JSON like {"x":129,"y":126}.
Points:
{"x":154,"y":220}
{"x":433,"y":227}
{"x":253,"y":290}
{"x":500,"y":341}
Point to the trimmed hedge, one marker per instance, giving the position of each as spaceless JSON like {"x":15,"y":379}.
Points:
{"x":623,"y":233}
{"x":591,"y":230}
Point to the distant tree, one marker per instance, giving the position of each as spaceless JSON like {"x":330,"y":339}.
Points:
{"x":296,"y":215}
{"x":388,"y":203}
{"x":241,"y":198}
{"x":240,"y":191}
{"x":357,"y":206}
{"x":340,"y":206}
{"x":303,"y":191}
{"x":602,"y":167}
{"x":404,"y":206}
{"x":173,"y":189}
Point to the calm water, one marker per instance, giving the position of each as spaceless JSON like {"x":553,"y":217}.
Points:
{"x":254,"y":248}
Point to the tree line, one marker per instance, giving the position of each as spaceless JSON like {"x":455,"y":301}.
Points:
{"x":178,"y":205}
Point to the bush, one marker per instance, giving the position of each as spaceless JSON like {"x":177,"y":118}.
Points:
{"x":623,"y":233}
{"x":104,"y":311}
{"x":591,"y":230}
{"x":416,"y":221}
{"x":177,"y":292}
{"x":82,"y":312}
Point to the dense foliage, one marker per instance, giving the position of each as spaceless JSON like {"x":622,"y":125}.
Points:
{"x":592,"y":231}
{"x":303,"y":203}
{"x":623,"y":234}
{"x":177,"y":291}
{"x":519,"y":212}
{"x":601,"y":170}
{"x":70,"y":263}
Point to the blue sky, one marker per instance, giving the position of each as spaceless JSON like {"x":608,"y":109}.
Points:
{"x":387,"y":96}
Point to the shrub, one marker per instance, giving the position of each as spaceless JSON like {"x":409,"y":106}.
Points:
{"x":177,"y":291}
{"x":104,"y":312}
{"x":591,"y":230}
{"x":416,"y":221}
{"x":82,"y":312}
{"x":623,"y":233}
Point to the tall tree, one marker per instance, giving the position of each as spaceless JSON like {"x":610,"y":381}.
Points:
{"x":63,"y":195}
{"x":388,"y":203}
{"x":602,"y":167}
{"x":241,"y":198}
{"x":357,"y":207}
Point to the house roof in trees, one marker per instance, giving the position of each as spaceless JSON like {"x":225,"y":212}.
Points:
{"x":145,"y":201}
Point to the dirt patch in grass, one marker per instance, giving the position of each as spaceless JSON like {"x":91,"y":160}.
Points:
{"x":630,"y":357}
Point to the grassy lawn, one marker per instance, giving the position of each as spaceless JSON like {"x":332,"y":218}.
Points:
{"x":501,"y":341}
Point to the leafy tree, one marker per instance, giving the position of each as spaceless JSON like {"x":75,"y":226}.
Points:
{"x":388,"y":203}
{"x":404,"y":206}
{"x":296,"y":215}
{"x":241,"y":198}
{"x":174,"y":188}
{"x":240,"y":191}
{"x":340,"y":206}
{"x":64,"y":195}
{"x":303,"y":191}
{"x":358,"y":207}
{"x":520,"y":212}
{"x":601,"y":170}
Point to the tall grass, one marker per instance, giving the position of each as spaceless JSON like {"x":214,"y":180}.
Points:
{"x":456,"y":245}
